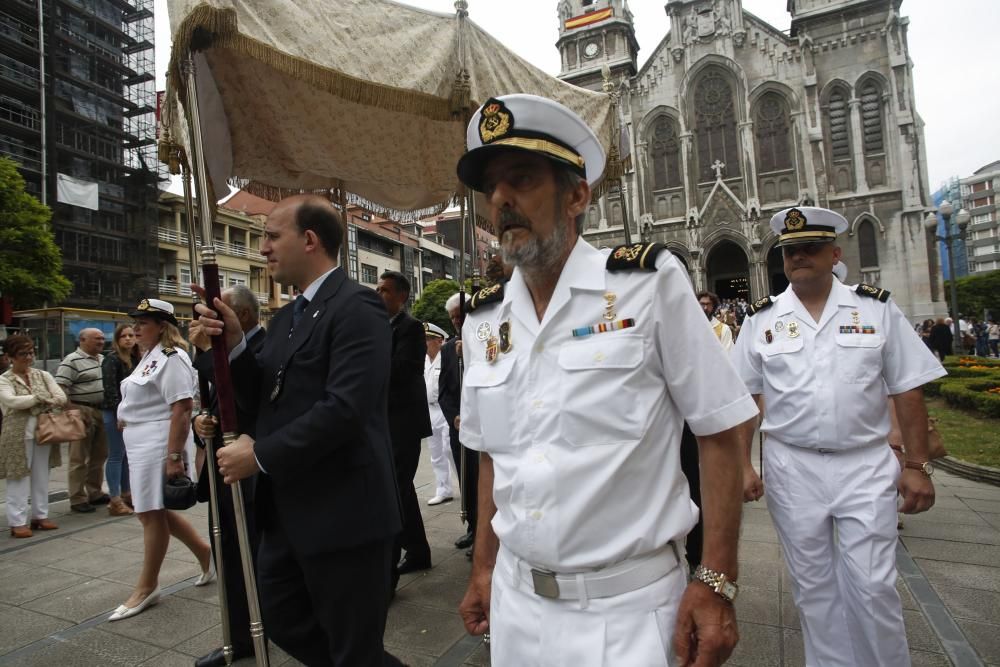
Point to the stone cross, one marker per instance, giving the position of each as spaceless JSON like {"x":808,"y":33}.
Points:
{"x":717,"y":167}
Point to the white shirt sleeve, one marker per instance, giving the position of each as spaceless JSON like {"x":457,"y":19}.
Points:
{"x":470,"y":432}
{"x":176,"y":381}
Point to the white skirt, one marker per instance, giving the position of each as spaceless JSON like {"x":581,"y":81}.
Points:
{"x":146,"y":446}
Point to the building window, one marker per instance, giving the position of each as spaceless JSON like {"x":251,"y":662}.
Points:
{"x":871,"y":118}
{"x":715,"y":126}
{"x":773,"y":130}
{"x":369,"y":274}
{"x":666,"y":154}
{"x":840,"y":126}
{"x":867,"y":245}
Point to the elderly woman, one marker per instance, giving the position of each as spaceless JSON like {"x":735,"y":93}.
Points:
{"x":116,"y":367}
{"x":155,"y":411}
{"x":24,"y":393}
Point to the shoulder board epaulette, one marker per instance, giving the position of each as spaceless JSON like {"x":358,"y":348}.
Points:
{"x":634,"y":256}
{"x":169,"y":351}
{"x":484,"y":297}
{"x":873,"y":292}
{"x":759,"y":305}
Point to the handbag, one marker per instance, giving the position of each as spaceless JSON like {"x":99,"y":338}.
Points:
{"x":935,"y":445}
{"x":60,"y":426}
{"x":179,"y":493}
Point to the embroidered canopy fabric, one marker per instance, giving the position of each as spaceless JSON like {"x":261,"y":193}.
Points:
{"x":369,"y":96}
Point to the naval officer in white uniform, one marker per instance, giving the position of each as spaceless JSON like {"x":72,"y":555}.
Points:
{"x":824,"y":357}
{"x":580,"y":373}
{"x":439,"y":441}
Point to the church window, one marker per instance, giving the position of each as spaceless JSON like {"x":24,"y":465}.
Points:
{"x":773,"y":130}
{"x":840,"y":128}
{"x":867,"y":244}
{"x":666,"y":154}
{"x":715,"y":126}
{"x":871,"y":117}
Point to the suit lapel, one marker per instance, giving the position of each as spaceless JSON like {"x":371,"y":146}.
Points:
{"x":313,"y":313}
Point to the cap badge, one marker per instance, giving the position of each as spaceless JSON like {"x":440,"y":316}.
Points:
{"x":143,"y":305}
{"x":794,"y":220}
{"x":496,"y":121}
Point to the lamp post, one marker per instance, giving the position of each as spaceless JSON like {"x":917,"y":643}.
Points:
{"x":961,"y":220}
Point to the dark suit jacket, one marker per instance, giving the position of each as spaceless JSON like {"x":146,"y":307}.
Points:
{"x":322,"y":437}
{"x":450,"y":385}
{"x":409,"y":416}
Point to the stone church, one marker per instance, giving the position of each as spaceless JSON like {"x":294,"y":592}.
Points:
{"x":731,"y":120}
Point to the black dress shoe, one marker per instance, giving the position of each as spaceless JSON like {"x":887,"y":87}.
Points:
{"x":83,"y":508}
{"x":465,"y":541}
{"x":101,"y":500}
{"x":217,"y":658}
{"x":408,"y":564}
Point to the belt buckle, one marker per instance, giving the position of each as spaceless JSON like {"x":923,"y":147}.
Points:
{"x":545,"y":583}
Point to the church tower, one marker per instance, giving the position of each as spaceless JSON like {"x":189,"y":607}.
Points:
{"x":594,"y":33}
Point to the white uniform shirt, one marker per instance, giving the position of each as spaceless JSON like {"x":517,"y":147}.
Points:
{"x":432,"y":377}
{"x":156,"y":382}
{"x":585,"y":432}
{"x":826,"y":387}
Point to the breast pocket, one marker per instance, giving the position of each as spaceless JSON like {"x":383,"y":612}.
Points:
{"x":493,"y":402}
{"x":598,"y":394}
{"x":859,"y":357}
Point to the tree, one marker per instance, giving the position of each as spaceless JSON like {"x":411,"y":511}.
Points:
{"x":30,"y":260}
{"x":430,"y":306}
{"x":978,"y":293}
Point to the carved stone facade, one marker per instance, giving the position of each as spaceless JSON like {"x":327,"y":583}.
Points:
{"x":731,"y":120}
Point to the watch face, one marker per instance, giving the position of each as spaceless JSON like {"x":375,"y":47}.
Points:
{"x":591,"y":49}
{"x":729,"y":590}
{"x":928,"y":469}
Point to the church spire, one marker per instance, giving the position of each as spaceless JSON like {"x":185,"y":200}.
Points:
{"x":592,"y":34}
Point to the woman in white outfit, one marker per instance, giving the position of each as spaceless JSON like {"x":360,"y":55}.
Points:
{"x":155,"y":411}
{"x":25,"y":392}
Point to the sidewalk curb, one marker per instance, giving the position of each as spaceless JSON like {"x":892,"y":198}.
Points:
{"x":976,"y":473}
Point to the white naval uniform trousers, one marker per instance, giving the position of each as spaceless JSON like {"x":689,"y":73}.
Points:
{"x":584,"y":434}
{"x":439,"y":441}
{"x":830,"y":478}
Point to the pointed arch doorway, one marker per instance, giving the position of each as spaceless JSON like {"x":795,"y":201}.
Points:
{"x":728,"y":271}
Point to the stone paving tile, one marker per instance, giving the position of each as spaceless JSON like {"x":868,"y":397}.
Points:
{"x":945,"y":500}
{"x":759,"y":646}
{"x":977,"y":534}
{"x":480,"y":657}
{"x":111,"y":533}
{"x":422,"y":630}
{"x":205,"y":594}
{"x":991,"y":518}
{"x":757,"y":605}
{"x":185,"y":618}
{"x":963,"y":575}
{"x":171,"y":572}
{"x":764,"y":551}
{"x":12,"y":567}
{"x":83,"y":601}
{"x":789,"y":614}
{"x":23,"y":586}
{"x":919,"y":635}
{"x":22,"y":626}
{"x":435,"y":592}
{"x":991,"y":506}
{"x":46,"y":553}
{"x":91,"y":647}
{"x":758,"y":574}
{"x":981,"y":492}
{"x":905,"y":596}
{"x":938,"y":516}
{"x":954,"y":552}
{"x":415,"y":659}
{"x":970,"y":603}
{"x":793,"y":648}
{"x":984,"y":637}
{"x":97,"y":562}
{"x":174,"y":659}
{"x":206,"y":639}
{"x":925,"y":659}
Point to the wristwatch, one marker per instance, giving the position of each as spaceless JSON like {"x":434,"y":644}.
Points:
{"x":924,"y":467}
{"x":174,"y":456}
{"x":723,"y":587}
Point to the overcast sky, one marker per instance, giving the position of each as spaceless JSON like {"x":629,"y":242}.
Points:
{"x":952,"y":44}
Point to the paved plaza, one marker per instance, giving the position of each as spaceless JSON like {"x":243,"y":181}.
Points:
{"x":57,"y":589}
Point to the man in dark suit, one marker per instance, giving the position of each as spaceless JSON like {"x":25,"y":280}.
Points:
{"x":327,"y":505}
{"x":409,"y":419}
{"x":450,"y":400}
{"x":244,"y":303}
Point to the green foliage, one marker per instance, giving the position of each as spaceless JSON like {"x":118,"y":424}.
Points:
{"x":30,"y":260}
{"x":967,"y":386}
{"x":977,"y":293}
{"x":430,"y":306}
{"x":967,"y":435}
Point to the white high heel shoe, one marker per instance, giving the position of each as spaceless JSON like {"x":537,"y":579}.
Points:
{"x":209,"y":575}
{"x":123,"y":612}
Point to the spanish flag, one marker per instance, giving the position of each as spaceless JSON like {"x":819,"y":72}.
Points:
{"x":587,"y":19}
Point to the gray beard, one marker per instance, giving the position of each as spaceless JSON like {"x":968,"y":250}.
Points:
{"x":535,"y":255}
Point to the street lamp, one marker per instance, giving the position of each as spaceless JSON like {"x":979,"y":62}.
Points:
{"x":962,"y":220}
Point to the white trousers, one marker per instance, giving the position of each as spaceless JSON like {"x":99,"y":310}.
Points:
{"x":35,"y":484}
{"x":835,"y":515}
{"x":635,"y":629}
{"x":439,"y":446}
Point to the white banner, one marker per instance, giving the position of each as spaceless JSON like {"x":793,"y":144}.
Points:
{"x":76,"y":192}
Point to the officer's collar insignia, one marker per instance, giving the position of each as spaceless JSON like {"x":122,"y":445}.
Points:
{"x":169,"y":351}
{"x":759,"y":305}
{"x":873,"y":292}
{"x":485,"y":296}
{"x":634,"y":256}
{"x":794,"y":220}
{"x":496,"y":122}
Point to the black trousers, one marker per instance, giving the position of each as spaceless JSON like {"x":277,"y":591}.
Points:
{"x":231,"y":565}
{"x":690,"y":466}
{"x":326,"y":610}
{"x":412,"y":538}
{"x":470,"y":494}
